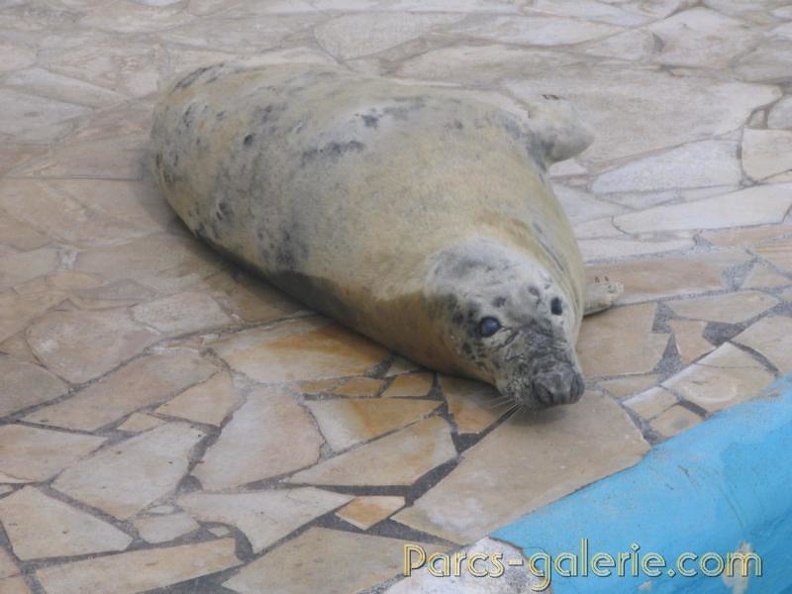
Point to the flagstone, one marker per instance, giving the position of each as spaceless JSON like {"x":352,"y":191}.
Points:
{"x":164,"y":528}
{"x":80,"y":346}
{"x":762,"y":277}
{"x":127,"y":477}
{"x":251,"y":299}
{"x":359,"y":386}
{"x":473,"y":405}
{"x":704,"y":163}
{"x":581,"y":206}
{"x":40,"y":527}
{"x":31,"y":454}
{"x":347,"y":422}
{"x":771,"y":337}
{"x":605,"y":348}
{"x":330,"y":571}
{"x":31,"y":118}
{"x":137,"y":423}
{"x":635,"y":45}
{"x":364,"y":512}
{"x":760,"y":205}
{"x":64,"y":88}
{"x":723,"y":378}
{"x":780,"y":115}
{"x":396,"y":459}
{"x":689,"y":339}
{"x":533,"y":30}
{"x":701,"y":37}
{"x":624,"y":387}
{"x":674,"y":421}
{"x":612,"y":248}
{"x":325,"y":350}
{"x":410,"y":385}
{"x":181,"y":313}
{"x":140,"y":571}
{"x":766,"y":153}
{"x":209,"y":402}
{"x":16,"y":269}
{"x":680,"y":276}
{"x":769,"y":63}
{"x":731,"y":308}
{"x":746,"y":237}
{"x":143,"y":382}
{"x":14,"y":585}
{"x":778,"y":253}
{"x":401,"y":365}
{"x":26,"y":385}
{"x":264,"y":517}
{"x":526,"y":463}
{"x":269,"y":435}
{"x":356,"y":35}
{"x":651,"y":403}
{"x":19,"y":235}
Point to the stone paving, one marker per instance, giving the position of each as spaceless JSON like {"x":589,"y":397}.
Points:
{"x":170,"y":424}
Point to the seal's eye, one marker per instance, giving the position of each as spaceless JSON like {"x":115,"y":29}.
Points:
{"x":555,"y":307}
{"x":488,"y":326}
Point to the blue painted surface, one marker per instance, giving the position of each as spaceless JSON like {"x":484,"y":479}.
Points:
{"x":722,"y":483}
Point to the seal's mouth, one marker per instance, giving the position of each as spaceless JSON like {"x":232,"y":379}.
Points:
{"x":548,"y":381}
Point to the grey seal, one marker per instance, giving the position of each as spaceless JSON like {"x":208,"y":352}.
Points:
{"x":418,"y":215}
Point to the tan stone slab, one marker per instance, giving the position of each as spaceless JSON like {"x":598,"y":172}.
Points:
{"x":618,"y":248}
{"x":181,"y":313}
{"x":25,"y":385}
{"x":760,"y":205}
{"x":674,"y":421}
{"x":693,"y":165}
{"x":533,"y":30}
{"x":332,"y":569}
{"x":746,"y":237}
{"x":342,"y":36}
{"x":655,"y":279}
{"x":766,"y":152}
{"x":145,"y":16}
{"x":70,"y":281}
{"x":620,"y":341}
{"x":515,"y":577}
{"x":761,"y":277}
{"x":251,"y":299}
{"x":731,"y":308}
{"x":163,"y":262}
{"x":106,"y":159}
{"x":473,"y":405}
{"x":624,"y":387}
{"x":34,"y":119}
{"x":80,"y":346}
{"x":19,"y":235}
{"x":397,"y":459}
{"x":360,"y":387}
{"x":159,"y":529}
{"x":40,"y":527}
{"x":723,"y":378}
{"x":7,"y":566}
{"x":401,"y":365}
{"x":527,"y":463}
{"x":22,"y":267}
{"x":364,"y":512}
{"x":210,"y":402}
{"x":56,"y":210}
{"x":143,"y":382}
{"x":18,"y":311}
{"x":36,"y":455}
{"x":14,"y":585}
{"x":125,"y":478}
{"x":410,"y":385}
{"x":64,"y":88}
{"x":778,"y":253}
{"x":689,"y":339}
{"x":651,"y":403}
{"x":264,"y":516}
{"x":772,"y":337}
{"x":347,"y":422}
{"x":701,"y":37}
{"x":137,"y":423}
{"x":116,"y":294}
{"x":140,"y":571}
{"x":302,"y":349}
{"x":269,"y":435}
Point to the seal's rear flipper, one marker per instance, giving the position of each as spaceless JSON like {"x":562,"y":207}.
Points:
{"x":601,"y":296}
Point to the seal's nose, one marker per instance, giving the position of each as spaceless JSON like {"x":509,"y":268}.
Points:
{"x":560,"y":385}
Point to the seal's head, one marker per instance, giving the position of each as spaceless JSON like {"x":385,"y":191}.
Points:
{"x":507,"y":321}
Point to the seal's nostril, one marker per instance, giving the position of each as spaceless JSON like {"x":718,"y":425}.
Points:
{"x":578,"y":387}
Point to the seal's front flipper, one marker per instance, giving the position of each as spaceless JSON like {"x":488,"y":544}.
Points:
{"x":601,"y":296}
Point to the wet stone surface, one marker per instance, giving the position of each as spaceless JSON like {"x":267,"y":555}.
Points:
{"x":171,"y":423}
